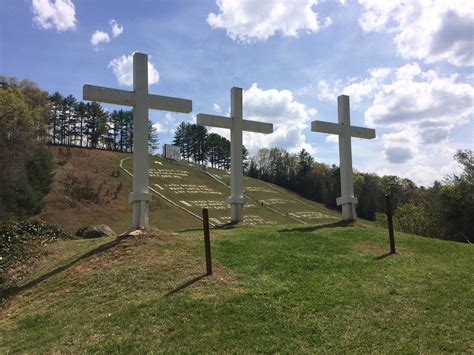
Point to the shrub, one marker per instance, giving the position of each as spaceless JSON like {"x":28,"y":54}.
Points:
{"x":20,"y":240}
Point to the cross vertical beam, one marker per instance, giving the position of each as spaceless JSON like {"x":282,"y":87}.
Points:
{"x":140,"y":145}
{"x":237,"y":184}
{"x":345,"y":131}
{"x":236,"y":124}
{"x":345,"y":156}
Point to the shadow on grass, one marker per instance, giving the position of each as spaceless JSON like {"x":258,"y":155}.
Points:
{"x":186,"y":284}
{"x":229,"y":225}
{"x":9,"y":292}
{"x":318,"y":227}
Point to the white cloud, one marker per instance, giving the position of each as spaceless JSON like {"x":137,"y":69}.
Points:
{"x":216,"y":108}
{"x":117,"y":29}
{"x":58,"y":14}
{"x":250,"y":20}
{"x":425,"y":29}
{"x":99,"y":37}
{"x":358,"y":89}
{"x":159,"y":127}
{"x":288,"y":116}
{"x":123,"y":70}
{"x":422,"y":100}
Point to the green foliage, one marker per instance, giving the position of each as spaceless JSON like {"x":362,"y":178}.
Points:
{"x":19,"y":241}
{"x":25,"y":163}
{"x":198,"y":145}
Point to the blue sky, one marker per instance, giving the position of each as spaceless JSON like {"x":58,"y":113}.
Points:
{"x":408,"y":68}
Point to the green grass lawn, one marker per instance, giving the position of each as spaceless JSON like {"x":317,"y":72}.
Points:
{"x":275,"y":289}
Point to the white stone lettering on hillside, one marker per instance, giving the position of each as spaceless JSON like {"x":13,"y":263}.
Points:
{"x":186,"y":203}
{"x":259,"y":189}
{"x":276,"y":201}
{"x":191,"y":189}
{"x":168,"y":173}
{"x":158,"y":162}
{"x":250,"y":219}
{"x":215,"y":205}
{"x":310,"y":215}
{"x":158,"y":186}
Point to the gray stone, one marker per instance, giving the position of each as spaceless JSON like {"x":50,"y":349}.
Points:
{"x":97,"y":231}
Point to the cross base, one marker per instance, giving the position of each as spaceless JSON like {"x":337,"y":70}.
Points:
{"x":140,"y":205}
{"x":236,"y":208}
{"x":348,"y":207}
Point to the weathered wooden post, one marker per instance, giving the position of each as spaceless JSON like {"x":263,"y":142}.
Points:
{"x":207,"y":240}
{"x":391,"y":235}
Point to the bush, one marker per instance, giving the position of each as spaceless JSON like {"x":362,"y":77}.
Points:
{"x":20,"y":240}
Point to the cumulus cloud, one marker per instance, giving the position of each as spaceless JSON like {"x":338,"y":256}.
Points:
{"x":57,"y":14}
{"x":424,"y":29}
{"x":250,"y":20}
{"x":421,"y":99}
{"x":117,"y":29}
{"x":122,"y":67}
{"x":98,"y":37}
{"x":289,"y":118}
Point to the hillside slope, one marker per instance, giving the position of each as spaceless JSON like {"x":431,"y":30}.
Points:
{"x":90,"y":188}
{"x":274,"y":289}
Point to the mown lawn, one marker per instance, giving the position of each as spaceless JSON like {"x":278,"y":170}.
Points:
{"x":275,"y":289}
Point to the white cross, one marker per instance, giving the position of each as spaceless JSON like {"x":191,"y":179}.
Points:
{"x":141,"y":101}
{"x":236,"y":125}
{"x":345,"y":132}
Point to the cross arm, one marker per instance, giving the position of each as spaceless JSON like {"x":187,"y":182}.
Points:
{"x":334,"y":128}
{"x":326,"y":127}
{"x":361,"y":132}
{"x":214,"y":121}
{"x":259,"y":127}
{"x":166,"y":103}
{"x":108,"y":95}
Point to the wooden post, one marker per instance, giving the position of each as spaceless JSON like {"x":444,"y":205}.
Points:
{"x":207,"y":240}
{"x":391,"y":235}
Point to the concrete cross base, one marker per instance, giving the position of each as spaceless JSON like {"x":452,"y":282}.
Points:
{"x":349,"y":212}
{"x":236,"y":212}
{"x":236,"y":208}
{"x":140,"y":207}
{"x":348,"y":207}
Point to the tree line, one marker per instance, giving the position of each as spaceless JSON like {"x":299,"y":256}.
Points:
{"x":444,"y":210}
{"x":88,"y":124}
{"x":198,"y":145}
{"x":25,"y":163}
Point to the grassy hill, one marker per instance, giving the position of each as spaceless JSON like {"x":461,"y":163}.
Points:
{"x":294,"y":288}
{"x":90,"y":187}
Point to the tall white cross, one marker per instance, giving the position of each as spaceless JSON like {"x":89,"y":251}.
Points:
{"x":141,"y":101}
{"x":236,"y":125}
{"x":345,"y":132}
